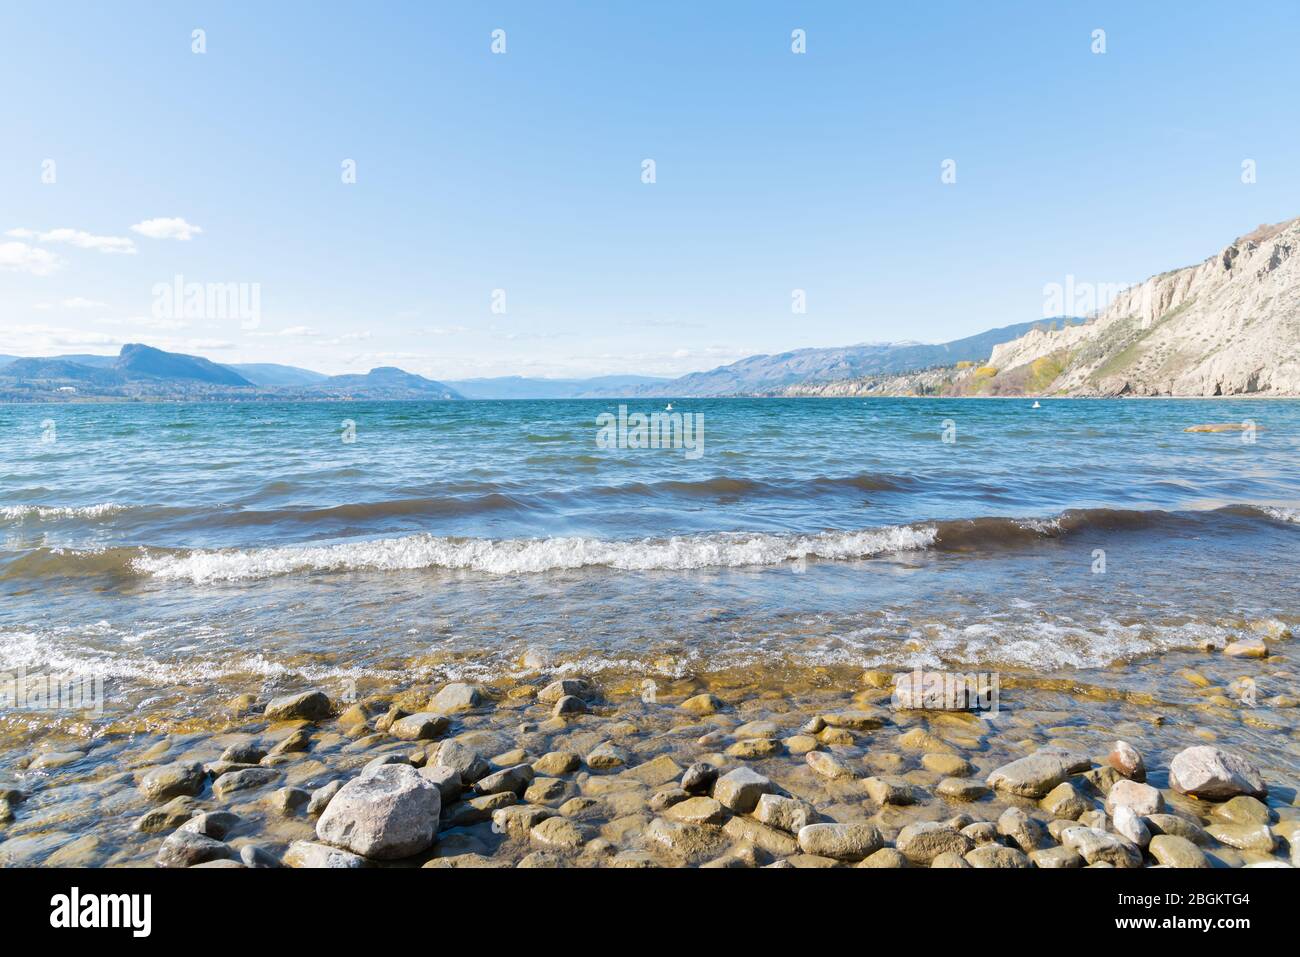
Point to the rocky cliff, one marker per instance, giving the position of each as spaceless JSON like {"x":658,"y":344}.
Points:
{"x":1227,"y":326}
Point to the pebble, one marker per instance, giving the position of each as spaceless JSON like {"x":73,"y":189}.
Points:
{"x":1037,"y":774}
{"x":699,"y":777}
{"x":997,"y":856}
{"x":1245,"y":837}
{"x":455,"y":698}
{"x":1065,"y":801}
{"x":962,"y":789}
{"x":181,"y":778}
{"x":607,"y":755}
{"x":513,"y":779}
{"x":921,"y":843}
{"x":784,"y":813}
{"x":702,"y":704}
{"x":1127,"y":824}
{"x":186,"y":848}
{"x":887,"y":857}
{"x":244,"y":779}
{"x":422,"y":726}
{"x":1055,"y":857}
{"x":555,"y":763}
{"x":827,"y":765}
{"x":1174,"y":851}
{"x":1097,"y":846}
{"x":892,"y":790}
{"x":1126,"y":759}
{"x":1247,"y":648}
{"x":739,"y":790}
{"x":1213,"y":774}
{"x":1143,"y":799}
{"x":842,"y":842}
{"x":697,"y":810}
{"x":1027,"y":833}
{"x":304,"y":706}
{"x":311,"y":854}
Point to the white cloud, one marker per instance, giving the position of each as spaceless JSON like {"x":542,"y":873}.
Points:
{"x":23,"y":258}
{"x":295,"y":332}
{"x":78,"y":302}
{"x":167,"y":228}
{"x":146,"y":322}
{"x":79,"y":238}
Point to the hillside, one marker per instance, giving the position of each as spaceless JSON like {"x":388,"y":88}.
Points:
{"x":1229,"y":325}
{"x":805,"y":368}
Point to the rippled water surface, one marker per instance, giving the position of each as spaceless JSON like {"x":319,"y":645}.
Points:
{"x":182,"y":550}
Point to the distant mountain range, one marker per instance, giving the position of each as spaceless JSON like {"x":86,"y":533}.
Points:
{"x":1229,"y":325}
{"x":143,"y":372}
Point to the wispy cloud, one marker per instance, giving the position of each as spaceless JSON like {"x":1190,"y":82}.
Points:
{"x":79,"y":238}
{"x":20,"y":257}
{"x":167,"y":228}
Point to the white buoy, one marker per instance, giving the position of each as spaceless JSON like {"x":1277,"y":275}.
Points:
{"x":1036,"y":405}
{"x":670,"y":407}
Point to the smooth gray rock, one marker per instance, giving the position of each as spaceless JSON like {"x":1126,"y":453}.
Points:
{"x":178,"y":779}
{"x":1035,"y":775}
{"x":1213,"y":774}
{"x":388,"y":814}
{"x":739,"y":790}
{"x":311,"y":854}
{"x":304,"y":706}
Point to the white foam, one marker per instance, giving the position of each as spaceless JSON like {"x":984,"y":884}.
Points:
{"x":523,"y":556}
{"x":1283,"y":514}
{"x":41,"y":513}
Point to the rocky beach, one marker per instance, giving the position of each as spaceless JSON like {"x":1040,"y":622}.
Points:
{"x":815,"y":768}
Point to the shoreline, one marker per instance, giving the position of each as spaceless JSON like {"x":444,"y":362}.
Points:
{"x":540,"y":769}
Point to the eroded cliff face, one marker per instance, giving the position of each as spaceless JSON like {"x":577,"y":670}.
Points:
{"x":1227,"y":326}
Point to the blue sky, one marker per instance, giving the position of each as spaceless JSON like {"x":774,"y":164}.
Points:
{"x":523,"y":172}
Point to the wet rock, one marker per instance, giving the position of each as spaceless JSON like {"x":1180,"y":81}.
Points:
{"x":168,"y":817}
{"x":702,"y":704}
{"x":253,"y":855}
{"x":949,"y":859}
{"x":304,"y":706}
{"x":311,"y":854}
{"x":962,"y":789}
{"x":739,"y":790}
{"x":828,"y":766}
{"x":246,"y":753}
{"x":294,"y":743}
{"x":468,"y":762}
{"x":1143,"y":799}
{"x":800,"y":743}
{"x":543,"y":790}
{"x":321,"y":797}
{"x":513,"y":779}
{"x":1242,"y":810}
{"x":555,"y":763}
{"x":892,"y":790}
{"x":886,"y":857}
{"x":981,"y":832}
{"x":390,"y":813}
{"x":213,"y":824}
{"x":1245,"y":837}
{"x":693,"y":843}
{"x":769,"y":839}
{"x":1065,"y":801}
{"x":476,"y":810}
{"x":607,"y":755}
{"x":1126,"y":759}
{"x":579,"y":688}
{"x":1027,"y":833}
{"x":455,"y":698}
{"x":754,"y":748}
{"x":1097,"y":846}
{"x":921,"y":843}
{"x":842,"y":842}
{"x":697,"y":810}
{"x":699,"y":778}
{"x":558,"y":833}
{"x":1213,"y":774}
{"x":1055,"y":857}
{"x":1247,"y":648}
{"x":786,"y":814}
{"x":518,"y":820}
{"x":1174,"y":851}
{"x":1035,"y":775}
{"x":949,"y":765}
{"x":246,"y":779}
{"x":757,"y":729}
{"x":53,"y":760}
{"x":1271,"y":629}
{"x":666,"y":798}
{"x":653,"y":773}
{"x":1177,"y":826}
{"x":855,"y":720}
{"x":1102,"y":779}
{"x":422,"y":726}
{"x":185,"y":849}
{"x":287,"y":800}
{"x":998,"y":857}
{"x":445,"y":779}
{"x":179,"y":779}
{"x":1129,"y":825}
{"x":569,"y":705}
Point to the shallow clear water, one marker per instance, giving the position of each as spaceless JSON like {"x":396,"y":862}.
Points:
{"x":168,"y":547}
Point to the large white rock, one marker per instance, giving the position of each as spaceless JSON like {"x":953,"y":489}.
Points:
{"x":385,"y":813}
{"x":1214,"y":774}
